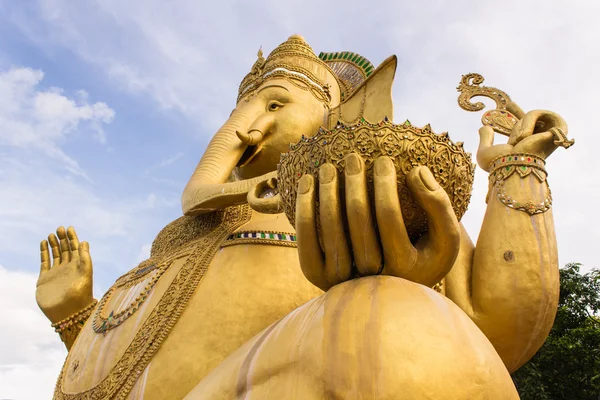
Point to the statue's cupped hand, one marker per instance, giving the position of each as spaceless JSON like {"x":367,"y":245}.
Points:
{"x":64,"y":286}
{"x":372,"y":244}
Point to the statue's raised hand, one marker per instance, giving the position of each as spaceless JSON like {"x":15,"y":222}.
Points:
{"x":390,"y":252}
{"x":65,"y":283}
{"x":538,"y":132}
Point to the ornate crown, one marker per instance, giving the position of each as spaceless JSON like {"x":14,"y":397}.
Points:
{"x":405,"y":144}
{"x":294,"y":59}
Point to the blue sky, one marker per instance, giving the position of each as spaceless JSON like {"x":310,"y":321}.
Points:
{"x":107,"y":106}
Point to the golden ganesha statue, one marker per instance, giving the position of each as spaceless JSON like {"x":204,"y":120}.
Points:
{"x":339,"y":270}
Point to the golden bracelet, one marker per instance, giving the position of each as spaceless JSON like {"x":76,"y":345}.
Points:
{"x":78,"y":318}
{"x":523,"y":164}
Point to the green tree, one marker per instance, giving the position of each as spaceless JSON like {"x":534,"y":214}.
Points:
{"x":567,"y":367}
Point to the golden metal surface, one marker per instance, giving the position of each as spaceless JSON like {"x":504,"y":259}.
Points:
{"x":165,"y":315}
{"x":406,"y":145}
{"x":209,"y":317}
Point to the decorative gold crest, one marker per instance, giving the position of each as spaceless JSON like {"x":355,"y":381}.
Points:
{"x":501,"y":120}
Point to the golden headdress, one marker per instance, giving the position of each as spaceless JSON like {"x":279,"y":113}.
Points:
{"x":331,"y":77}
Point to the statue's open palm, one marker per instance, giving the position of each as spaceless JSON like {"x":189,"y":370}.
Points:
{"x":65,"y":283}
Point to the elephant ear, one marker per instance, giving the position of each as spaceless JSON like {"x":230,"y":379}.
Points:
{"x":372,"y":100}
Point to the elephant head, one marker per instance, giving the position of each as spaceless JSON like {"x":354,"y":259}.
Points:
{"x":290,"y":94}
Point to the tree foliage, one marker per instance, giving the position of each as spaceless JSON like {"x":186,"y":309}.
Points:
{"x":567,"y":367}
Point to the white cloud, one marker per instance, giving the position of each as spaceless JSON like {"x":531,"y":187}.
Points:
{"x":41,"y":185}
{"x":32,"y":353}
{"x":42,"y":119}
{"x":38,"y":191}
{"x":144,"y":252}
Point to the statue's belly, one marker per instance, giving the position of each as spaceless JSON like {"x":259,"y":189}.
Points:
{"x":370,"y":338}
{"x":246,"y":288}
{"x":93,"y":359}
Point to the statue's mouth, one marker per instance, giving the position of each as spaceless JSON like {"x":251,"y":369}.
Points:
{"x":249,"y":154}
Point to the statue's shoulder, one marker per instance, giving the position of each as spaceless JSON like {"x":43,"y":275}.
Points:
{"x":181,"y":235}
{"x":183,"y":231}
{"x":172,"y":241}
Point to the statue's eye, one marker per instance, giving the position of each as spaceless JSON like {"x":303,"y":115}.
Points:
{"x":274,"y":106}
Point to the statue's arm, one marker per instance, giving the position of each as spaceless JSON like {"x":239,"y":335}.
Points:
{"x":509,"y":283}
{"x":64,"y":287}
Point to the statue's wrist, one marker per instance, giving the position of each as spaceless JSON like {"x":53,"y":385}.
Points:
{"x":526,"y":160}
{"x":524,"y":166}
{"x":69,"y":327}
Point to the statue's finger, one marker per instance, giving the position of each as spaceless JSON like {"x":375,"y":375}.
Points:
{"x":45,"y":257}
{"x":540,"y":144}
{"x":515,"y":109}
{"x":536,"y":122}
{"x":338,"y":260}
{"x":398,"y":252}
{"x":487,"y":151}
{"x":309,"y":249}
{"x":73,"y":242}
{"x":437,"y":252}
{"x":83,"y":252}
{"x":526,"y":126}
{"x":65,"y":252}
{"x":55,"y":250}
{"x":365,"y":245}
{"x":73,"y":239}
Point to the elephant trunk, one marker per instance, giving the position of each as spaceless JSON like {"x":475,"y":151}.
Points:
{"x":208,"y":189}
{"x":251,"y":138}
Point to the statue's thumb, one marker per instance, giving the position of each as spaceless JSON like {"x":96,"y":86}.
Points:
{"x":486,"y":137}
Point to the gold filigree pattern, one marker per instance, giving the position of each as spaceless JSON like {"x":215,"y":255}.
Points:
{"x":102,"y":323}
{"x":68,"y":329}
{"x":178,"y":233}
{"x":500,"y":120}
{"x":408,"y":147}
{"x":524,"y":165}
{"x":156,"y":328}
{"x":295,"y":61}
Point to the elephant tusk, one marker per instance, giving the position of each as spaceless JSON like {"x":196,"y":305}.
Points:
{"x":252,"y":138}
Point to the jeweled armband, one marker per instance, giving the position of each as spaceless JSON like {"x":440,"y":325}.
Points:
{"x":523,"y":164}
{"x":69,"y":328}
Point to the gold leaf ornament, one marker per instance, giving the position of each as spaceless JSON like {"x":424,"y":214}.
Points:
{"x":406,"y":145}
